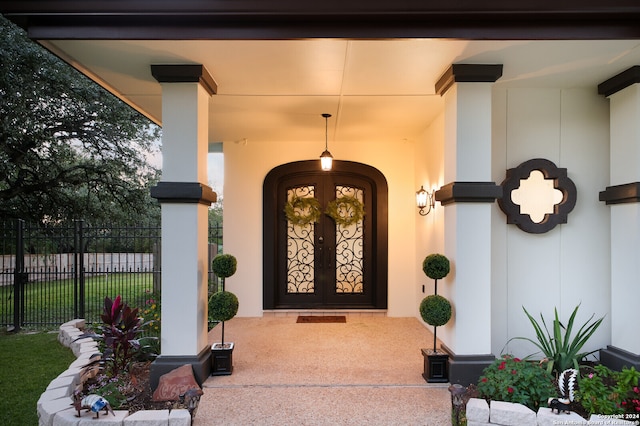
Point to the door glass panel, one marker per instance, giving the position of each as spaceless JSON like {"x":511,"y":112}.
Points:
{"x":349,"y":247}
{"x":300,"y":248}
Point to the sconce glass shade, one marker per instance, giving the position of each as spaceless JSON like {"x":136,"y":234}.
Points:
{"x":424,"y":200}
{"x":421,"y":198}
{"x":326,"y":161}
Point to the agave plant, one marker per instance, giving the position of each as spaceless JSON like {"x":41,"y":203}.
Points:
{"x":561,"y":349}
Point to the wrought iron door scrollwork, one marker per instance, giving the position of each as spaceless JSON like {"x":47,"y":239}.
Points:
{"x":300,"y":249}
{"x":349,"y":254}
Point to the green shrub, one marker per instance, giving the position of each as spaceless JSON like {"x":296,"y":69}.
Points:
{"x":223,"y":306}
{"x":514,"y":380}
{"x":436,"y":266}
{"x":435,"y":310}
{"x":610,"y":392}
{"x":224,"y":265}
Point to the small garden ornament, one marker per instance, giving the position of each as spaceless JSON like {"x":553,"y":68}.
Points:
{"x":567,"y":383}
{"x":91,"y":402}
{"x":223,"y":305}
{"x":435,"y":310}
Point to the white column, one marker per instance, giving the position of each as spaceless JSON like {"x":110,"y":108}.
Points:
{"x":468,"y":198}
{"x":184,"y":198}
{"x":467,"y":225}
{"x":623,"y":197}
{"x":184,"y":225}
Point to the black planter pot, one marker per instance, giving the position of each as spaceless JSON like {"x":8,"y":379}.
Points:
{"x":221,"y":359}
{"x":436,"y":366}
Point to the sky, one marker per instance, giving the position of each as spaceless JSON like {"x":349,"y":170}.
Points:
{"x":216,"y":172}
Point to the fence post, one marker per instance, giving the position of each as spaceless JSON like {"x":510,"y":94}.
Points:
{"x":157,"y":262}
{"x":78,"y":270}
{"x":18,"y":276}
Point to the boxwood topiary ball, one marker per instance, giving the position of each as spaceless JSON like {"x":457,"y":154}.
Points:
{"x":436,"y":266}
{"x":435,"y":310}
{"x":224,"y":265}
{"x":223,"y":306}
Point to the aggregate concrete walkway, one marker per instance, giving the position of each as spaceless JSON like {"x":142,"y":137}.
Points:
{"x":367,"y":371}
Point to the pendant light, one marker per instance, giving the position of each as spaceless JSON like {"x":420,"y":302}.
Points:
{"x":326,"y":159}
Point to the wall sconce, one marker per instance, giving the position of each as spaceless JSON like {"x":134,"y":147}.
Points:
{"x":424,"y":200}
{"x":326,"y":159}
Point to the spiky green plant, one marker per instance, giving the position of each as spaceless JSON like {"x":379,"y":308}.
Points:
{"x":561,"y":349}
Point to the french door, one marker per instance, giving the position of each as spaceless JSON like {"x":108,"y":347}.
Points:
{"x":335,"y":259}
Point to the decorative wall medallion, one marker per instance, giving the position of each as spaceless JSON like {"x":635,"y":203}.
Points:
{"x":537,"y":196}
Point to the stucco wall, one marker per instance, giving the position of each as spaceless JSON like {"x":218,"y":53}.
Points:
{"x":570,"y":264}
{"x":430,"y":229}
{"x":246,"y":165}
{"x":562,"y":268}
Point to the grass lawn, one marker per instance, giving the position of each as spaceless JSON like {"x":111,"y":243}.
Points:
{"x":28,"y":363}
{"x":52,"y":302}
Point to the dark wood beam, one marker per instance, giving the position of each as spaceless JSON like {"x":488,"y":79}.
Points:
{"x":282,"y":19}
{"x":620,"y":81}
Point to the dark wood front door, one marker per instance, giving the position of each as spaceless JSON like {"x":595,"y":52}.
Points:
{"x":325,"y":264}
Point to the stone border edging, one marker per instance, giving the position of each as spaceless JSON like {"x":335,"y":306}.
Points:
{"x":480,"y":413}
{"x":54,"y":405}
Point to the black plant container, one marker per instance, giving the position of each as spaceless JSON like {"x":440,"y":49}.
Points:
{"x":222,"y":359}
{"x":436,"y":366}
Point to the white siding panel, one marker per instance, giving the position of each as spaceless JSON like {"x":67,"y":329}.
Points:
{"x":569,"y":264}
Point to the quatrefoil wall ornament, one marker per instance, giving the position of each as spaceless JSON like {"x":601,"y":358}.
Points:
{"x":557,"y":210}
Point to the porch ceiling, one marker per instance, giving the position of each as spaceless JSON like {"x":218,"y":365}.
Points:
{"x":376,"y":90}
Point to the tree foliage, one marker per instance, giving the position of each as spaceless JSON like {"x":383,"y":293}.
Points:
{"x":68,"y":148}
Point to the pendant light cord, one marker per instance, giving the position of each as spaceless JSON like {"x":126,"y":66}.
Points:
{"x":326,"y":131}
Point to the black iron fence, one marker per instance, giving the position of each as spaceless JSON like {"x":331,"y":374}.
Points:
{"x":52,"y":274}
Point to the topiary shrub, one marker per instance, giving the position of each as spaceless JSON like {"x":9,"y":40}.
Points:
{"x":436,"y":266}
{"x":224,"y":265}
{"x":223,"y":306}
{"x":435,"y":310}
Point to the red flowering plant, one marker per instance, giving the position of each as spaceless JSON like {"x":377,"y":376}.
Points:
{"x":514,"y":380}
{"x":608,"y":392}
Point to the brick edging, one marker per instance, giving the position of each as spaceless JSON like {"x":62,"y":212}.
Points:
{"x":480,"y":413}
{"x":54,"y":405}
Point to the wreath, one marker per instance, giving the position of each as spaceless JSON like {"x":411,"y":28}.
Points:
{"x":345,"y":210}
{"x":302,"y":211}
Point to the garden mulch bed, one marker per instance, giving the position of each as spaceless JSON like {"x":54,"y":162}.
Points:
{"x":137,"y":392}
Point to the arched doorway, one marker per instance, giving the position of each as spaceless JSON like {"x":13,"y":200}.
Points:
{"x":325,"y":265}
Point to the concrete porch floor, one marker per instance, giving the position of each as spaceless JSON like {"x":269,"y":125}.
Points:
{"x":367,"y":371}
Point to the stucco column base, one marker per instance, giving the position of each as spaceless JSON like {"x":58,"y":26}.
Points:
{"x":201,"y":364}
{"x":467,"y":369}
{"x":616,"y":358}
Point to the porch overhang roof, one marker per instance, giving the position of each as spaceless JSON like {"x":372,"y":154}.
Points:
{"x":285,"y":19}
{"x":372,"y":64}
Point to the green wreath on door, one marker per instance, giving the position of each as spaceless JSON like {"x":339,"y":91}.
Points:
{"x":345,"y":211}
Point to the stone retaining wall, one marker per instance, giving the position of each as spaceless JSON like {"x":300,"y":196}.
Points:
{"x":480,"y":413}
{"x":54,"y":406}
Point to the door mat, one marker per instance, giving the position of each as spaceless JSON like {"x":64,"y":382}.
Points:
{"x":317,"y":319}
